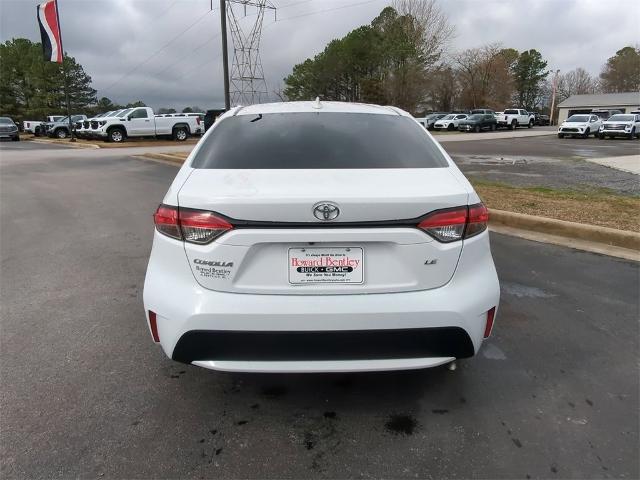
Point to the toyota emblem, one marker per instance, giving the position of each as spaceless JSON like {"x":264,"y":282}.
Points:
{"x":326,"y":211}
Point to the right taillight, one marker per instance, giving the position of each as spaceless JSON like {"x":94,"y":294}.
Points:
{"x":457,"y":223}
{"x":193,"y":226}
{"x":478,"y":220}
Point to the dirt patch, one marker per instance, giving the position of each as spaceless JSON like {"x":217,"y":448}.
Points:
{"x":590,"y":207}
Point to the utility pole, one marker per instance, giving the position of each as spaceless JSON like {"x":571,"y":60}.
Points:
{"x":66,"y":79}
{"x":225,"y":58}
{"x":553,"y":96}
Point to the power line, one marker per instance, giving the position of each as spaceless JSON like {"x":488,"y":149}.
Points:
{"x":325,"y":10}
{"x":144,"y":62}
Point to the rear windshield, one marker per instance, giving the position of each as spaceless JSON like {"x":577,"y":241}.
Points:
{"x":511,"y":112}
{"x":318,"y":141}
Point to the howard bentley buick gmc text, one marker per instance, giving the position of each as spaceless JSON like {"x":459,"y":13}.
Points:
{"x":320,"y":237}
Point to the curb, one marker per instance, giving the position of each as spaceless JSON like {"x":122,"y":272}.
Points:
{"x":67,"y":144}
{"x":570,"y":230}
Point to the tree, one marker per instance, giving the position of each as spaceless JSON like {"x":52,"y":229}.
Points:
{"x":137,"y":103}
{"x":387,"y":61}
{"x":529,"y":74}
{"x":621,"y":73}
{"x":164,"y":110}
{"x":187,"y":110}
{"x":33,"y":88}
{"x":484,"y":76}
{"x":576,"y":82}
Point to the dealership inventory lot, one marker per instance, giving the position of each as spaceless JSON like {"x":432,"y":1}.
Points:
{"x":554,"y":393}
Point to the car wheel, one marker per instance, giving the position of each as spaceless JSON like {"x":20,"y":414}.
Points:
{"x":450,"y":127}
{"x":16,"y":138}
{"x":61,"y":133}
{"x":116,"y":135}
{"x":586,"y":133}
{"x":601,"y":136}
{"x":560,"y":135}
{"x":476,"y":129}
{"x":513,"y":125}
{"x":493,"y":127}
{"x":530,"y":124}
{"x":180,"y":134}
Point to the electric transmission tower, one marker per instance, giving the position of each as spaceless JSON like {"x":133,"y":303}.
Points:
{"x":248,"y":85}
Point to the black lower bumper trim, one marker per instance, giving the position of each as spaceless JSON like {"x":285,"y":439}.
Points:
{"x":323,"y":345}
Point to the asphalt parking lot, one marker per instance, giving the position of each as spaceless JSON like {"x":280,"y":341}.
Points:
{"x":547,"y":161}
{"x":553,"y":393}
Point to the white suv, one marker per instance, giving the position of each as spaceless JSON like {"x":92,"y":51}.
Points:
{"x":621,"y":125}
{"x":581,"y":125}
{"x":319,"y":237}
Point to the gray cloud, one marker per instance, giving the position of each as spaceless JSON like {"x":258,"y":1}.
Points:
{"x":117,"y":40}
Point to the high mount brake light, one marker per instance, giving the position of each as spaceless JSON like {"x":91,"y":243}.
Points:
{"x":193,"y":226}
{"x":456,"y":223}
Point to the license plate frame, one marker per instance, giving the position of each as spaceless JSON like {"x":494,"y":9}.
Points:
{"x":320,"y":271}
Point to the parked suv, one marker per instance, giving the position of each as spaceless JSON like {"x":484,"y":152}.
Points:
{"x":449,"y":122}
{"x":320,"y":237}
{"x":478,"y":122}
{"x":8,"y":129}
{"x":581,"y":125}
{"x":621,"y":125}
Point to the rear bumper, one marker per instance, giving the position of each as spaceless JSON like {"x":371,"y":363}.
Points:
{"x":295,"y":333}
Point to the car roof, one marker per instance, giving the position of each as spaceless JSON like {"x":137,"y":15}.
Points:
{"x":312,"y":107}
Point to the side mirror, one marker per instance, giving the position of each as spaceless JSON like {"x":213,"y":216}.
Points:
{"x":128,"y":118}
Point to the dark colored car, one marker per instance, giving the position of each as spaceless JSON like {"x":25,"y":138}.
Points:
{"x":542,"y":120}
{"x":8,"y":129}
{"x":210,"y":117}
{"x":478,"y":122}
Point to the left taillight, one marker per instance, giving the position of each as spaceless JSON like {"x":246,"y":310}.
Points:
{"x":193,"y":226}
{"x":456,"y":223}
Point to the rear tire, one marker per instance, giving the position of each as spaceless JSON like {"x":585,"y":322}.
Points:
{"x":513,"y":125}
{"x":493,"y":127}
{"x":560,"y":135}
{"x":476,"y":129}
{"x":180,"y":134}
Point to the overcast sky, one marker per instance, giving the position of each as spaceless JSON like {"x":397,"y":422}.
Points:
{"x":167,"y":52}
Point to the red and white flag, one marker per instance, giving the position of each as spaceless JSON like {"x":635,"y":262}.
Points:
{"x":50,"y":31}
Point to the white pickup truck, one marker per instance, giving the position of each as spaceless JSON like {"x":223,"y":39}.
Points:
{"x":33,"y":126}
{"x":141,"y":122}
{"x":516,"y":117}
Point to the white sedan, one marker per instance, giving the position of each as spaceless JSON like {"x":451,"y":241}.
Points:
{"x":320,"y":237}
{"x":450,"y":122}
{"x":581,"y":125}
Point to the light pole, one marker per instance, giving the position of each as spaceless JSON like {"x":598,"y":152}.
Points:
{"x":553,"y":96}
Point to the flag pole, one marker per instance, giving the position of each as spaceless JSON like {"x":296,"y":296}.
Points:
{"x":66,"y":80}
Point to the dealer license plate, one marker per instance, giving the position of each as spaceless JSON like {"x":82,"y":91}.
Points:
{"x":326,"y":265}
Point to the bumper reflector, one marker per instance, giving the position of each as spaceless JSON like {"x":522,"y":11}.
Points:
{"x":489,"y":326}
{"x":154,"y":326}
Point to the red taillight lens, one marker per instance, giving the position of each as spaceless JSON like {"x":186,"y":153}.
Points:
{"x":478,"y":219}
{"x":202,"y":227}
{"x":153,"y":324}
{"x":166,"y":220}
{"x":445,"y":225}
{"x":194,"y":226}
{"x":489,"y":325}
{"x":456,"y":223}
